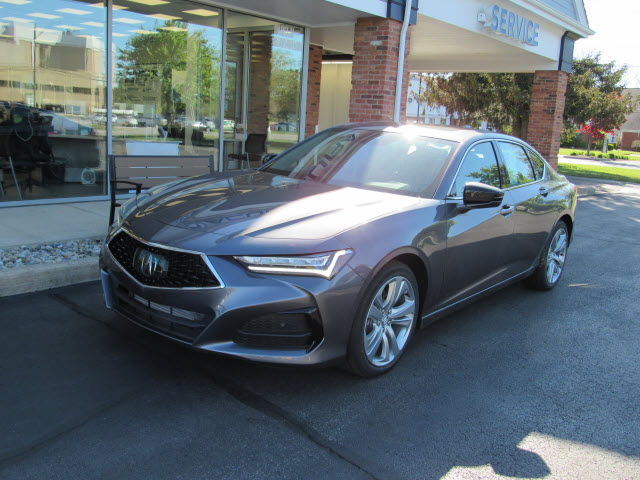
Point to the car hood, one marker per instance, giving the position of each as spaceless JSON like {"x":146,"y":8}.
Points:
{"x":261,"y":205}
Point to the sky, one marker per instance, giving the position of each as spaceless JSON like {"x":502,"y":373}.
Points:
{"x":616,"y":23}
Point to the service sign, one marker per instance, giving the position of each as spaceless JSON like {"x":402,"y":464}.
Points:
{"x":505,"y":22}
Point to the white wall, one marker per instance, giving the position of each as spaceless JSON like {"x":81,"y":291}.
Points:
{"x":335,"y":91}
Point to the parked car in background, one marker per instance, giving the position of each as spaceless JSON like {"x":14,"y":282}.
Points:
{"x":340,"y":247}
{"x":62,"y":125}
{"x":101,"y":119}
{"x":127,"y":121}
{"x":283,"y":127}
{"x":206,"y":125}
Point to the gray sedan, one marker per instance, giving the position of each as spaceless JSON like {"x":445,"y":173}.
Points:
{"x":340,"y":247}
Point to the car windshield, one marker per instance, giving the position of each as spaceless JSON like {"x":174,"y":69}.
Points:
{"x":371,"y":159}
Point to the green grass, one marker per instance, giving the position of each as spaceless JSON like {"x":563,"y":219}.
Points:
{"x":617,"y":154}
{"x":630,"y":175}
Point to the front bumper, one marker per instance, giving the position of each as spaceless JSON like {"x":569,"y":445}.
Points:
{"x":220,"y":319}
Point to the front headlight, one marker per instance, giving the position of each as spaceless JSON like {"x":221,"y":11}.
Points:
{"x":324,"y":265}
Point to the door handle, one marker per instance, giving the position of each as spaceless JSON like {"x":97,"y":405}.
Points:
{"x":544,"y":191}
{"x":507,"y":210}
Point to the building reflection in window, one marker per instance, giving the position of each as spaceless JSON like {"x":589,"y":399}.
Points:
{"x":52,"y":86}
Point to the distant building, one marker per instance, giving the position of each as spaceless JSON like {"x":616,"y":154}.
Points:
{"x":630,"y":129}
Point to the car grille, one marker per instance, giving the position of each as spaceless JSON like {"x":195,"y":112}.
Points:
{"x":298,"y":329}
{"x":185,"y":270}
{"x":177,"y":323}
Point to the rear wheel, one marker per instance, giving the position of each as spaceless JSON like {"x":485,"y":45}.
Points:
{"x":385,"y":322}
{"x":554,"y":255}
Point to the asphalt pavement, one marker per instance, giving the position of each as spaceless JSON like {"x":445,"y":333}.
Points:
{"x":522,"y":384}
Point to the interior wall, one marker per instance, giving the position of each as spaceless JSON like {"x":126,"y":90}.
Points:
{"x":335,"y":91}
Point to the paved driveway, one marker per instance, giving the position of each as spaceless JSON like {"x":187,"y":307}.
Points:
{"x":521,"y":385}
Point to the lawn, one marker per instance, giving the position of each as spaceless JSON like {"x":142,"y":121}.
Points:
{"x":630,"y":175}
{"x":619,"y":154}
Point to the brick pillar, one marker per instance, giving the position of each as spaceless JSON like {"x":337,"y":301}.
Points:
{"x":313,"y":89}
{"x":375,"y":67}
{"x":545,"y":116}
{"x":259,"y":84}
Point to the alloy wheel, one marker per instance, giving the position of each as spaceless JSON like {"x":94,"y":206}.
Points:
{"x":556,"y":256}
{"x":389,"y":321}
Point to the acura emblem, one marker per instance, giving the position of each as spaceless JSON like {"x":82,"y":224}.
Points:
{"x":150,"y":264}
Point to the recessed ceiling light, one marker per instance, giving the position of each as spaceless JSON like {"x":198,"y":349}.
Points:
{"x":68,"y":27}
{"x":16,"y":19}
{"x":201,"y":12}
{"x":130,"y":21}
{"x":73,"y":11}
{"x":115,"y":7}
{"x":150,"y":2}
{"x":162,"y":16}
{"x":16,"y":2}
{"x":93,"y":24}
{"x":43,"y":15}
{"x":144,"y":32}
{"x":174,"y":29}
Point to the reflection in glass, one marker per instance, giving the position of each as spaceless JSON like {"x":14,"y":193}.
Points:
{"x":479,"y":165}
{"x":166,"y":80}
{"x":519,"y":170}
{"x":52,"y":86}
{"x":263,"y":74}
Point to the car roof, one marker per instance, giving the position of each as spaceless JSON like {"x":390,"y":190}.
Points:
{"x":456,"y":134}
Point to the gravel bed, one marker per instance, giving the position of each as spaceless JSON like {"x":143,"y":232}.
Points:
{"x":48,"y":253}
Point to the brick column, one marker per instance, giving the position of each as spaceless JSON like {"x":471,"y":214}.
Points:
{"x":375,"y":66}
{"x":545,"y":116}
{"x":313,"y":89}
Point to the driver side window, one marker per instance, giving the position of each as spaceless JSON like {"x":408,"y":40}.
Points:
{"x":479,"y":165}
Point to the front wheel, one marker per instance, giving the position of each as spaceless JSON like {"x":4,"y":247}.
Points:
{"x":386,"y":319}
{"x":553,"y":258}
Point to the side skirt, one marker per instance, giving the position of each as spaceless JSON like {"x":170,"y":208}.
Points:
{"x":442,"y":312}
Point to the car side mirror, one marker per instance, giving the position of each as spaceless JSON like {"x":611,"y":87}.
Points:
{"x":268,"y":157}
{"x":481,"y":195}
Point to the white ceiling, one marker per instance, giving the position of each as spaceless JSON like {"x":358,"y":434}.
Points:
{"x":441,"y":47}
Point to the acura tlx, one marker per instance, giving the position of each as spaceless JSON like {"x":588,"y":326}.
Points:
{"x":338,"y":248}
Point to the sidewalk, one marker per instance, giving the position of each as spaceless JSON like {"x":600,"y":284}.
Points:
{"x":64,"y":223}
{"x":603,"y":162}
{"x":57,"y":225}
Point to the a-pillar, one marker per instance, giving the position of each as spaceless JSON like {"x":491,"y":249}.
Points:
{"x":375,"y":68}
{"x":313,"y":90}
{"x":545,"y":115}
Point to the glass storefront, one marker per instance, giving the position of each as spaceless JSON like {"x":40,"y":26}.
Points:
{"x":170,"y":92}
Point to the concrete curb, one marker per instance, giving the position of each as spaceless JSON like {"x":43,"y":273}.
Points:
{"x":33,"y":278}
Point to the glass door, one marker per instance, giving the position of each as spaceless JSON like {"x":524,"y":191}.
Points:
{"x":234,"y":101}
{"x":263,"y":78}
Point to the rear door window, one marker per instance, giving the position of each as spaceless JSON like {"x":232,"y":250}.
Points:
{"x":516,"y":161}
{"x":538,"y":164}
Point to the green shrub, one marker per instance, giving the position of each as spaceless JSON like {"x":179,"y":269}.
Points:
{"x":592,"y":154}
{"x":600,"y":155}
{"x":613,"y":156}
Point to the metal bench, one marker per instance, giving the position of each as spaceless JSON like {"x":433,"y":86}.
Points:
{"x":146,"y":171}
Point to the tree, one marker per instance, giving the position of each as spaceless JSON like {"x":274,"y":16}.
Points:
{"x":502,"y":99}
{"x":173,"y":68}
{"x":594,"y":96}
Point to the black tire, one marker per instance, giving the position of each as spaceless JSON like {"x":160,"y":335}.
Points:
{"x":540,"y":279}
{"x":357,"y":360}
